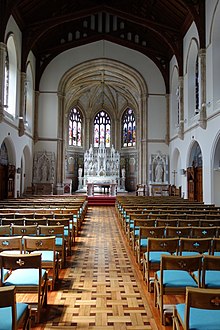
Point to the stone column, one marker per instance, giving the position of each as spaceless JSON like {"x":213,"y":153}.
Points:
{"x":142,"y":122}
{"x":3,"y":48}
{"x":21,"y":127}
{"x":60,"y":147}
{"x":181,"y":110}
{"x":167,"y":137}
{"x":202,"y":88}
{"x":36,"y":108}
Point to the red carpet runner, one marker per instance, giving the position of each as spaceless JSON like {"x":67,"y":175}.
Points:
{"x":101,"y":200}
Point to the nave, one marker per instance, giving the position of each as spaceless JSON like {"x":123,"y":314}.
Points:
{"x":101,"y":288}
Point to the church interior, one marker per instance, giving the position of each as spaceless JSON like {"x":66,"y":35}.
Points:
{"x":109,"y":122}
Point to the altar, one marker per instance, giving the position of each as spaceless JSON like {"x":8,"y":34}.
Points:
{"x":101,"y":169}
{"x":112,"y":188}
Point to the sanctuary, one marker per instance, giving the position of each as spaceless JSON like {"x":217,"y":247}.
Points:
{"x":101,"y":168}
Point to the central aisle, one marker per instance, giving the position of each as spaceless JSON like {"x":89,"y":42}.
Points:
{"x":100,"y":289}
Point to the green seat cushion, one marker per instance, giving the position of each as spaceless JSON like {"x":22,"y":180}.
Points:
{"x":201,"y":319}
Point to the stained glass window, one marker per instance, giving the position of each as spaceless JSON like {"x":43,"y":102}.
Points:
{"x":102,"y":129}
{"x":6,"y":82}
{"x":75,"y":128}
{"x":128,"y":129}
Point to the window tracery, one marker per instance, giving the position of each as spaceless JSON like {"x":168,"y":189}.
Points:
{"x":129,"y":129}
{"x":75,"y":128}
{"x":102,"y":129}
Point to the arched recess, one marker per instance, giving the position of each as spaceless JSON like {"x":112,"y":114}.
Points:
{"x":111,"y":86}
{"x":12,"y":76}
{"x":7,"y":169}
{"x":215,"y":165}
{"x":194,"y":173}
{"x":175,"y":174}
{"x":25,"y":173}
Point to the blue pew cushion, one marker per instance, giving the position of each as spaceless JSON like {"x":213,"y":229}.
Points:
{"x":24,"y":277}
{"x":212,"y":279}
{"x":6,"y":315}
{"x":201,"y":319}
{"x":155,"y":256}
{"x":46,"y":255}
{"x":177,"y":278}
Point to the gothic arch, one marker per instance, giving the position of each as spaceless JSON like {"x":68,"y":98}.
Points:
{"x":195,"y":173}
{"x":190,"y":70}
{"x":106,"y":83}
{"x":215,"y":168}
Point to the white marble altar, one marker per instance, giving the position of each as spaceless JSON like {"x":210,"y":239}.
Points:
{"x":101,"y":167}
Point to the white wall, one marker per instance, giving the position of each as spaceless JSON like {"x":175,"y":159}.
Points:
{"x":102,"y":49}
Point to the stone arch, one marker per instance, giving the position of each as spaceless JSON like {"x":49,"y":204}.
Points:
{"x":195,"y":173}
{"x":215,"y":168}
{"x":191,"y":58}
{"x":124,"y":85}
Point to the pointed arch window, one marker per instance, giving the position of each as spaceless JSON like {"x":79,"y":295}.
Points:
{"x":197,"y":83}
{"x":75,"y":128}
{"x":129,"y":129}
{"x":102,"y":129}
{"x":6,"y":82}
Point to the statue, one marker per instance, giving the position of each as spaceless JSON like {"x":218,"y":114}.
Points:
{"x":159,"y":171}
{"x":44,"y":172}
{"x":123,"y":172}
{"x":80,"y":172}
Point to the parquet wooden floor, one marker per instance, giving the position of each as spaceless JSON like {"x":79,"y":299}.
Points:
{"x":101,"y":288}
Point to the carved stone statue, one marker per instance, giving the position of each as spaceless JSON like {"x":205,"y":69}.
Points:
{"x":44,"y":167}
{"x":159,"y":168}
{"x":159,"y":172}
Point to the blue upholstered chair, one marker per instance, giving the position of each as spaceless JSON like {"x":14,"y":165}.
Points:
{"x":144,"y":233}
{"x":13,"y":315}
{"x":60,"y":241}
{"x":211,"y":272}
{"x":46,"y":246}
{"x":27,"y":275}
{"x":174,"y":276}
{"x":216,"y":246}
{"x":201,"y":310}
{"x":194,"y":246}
{"x":23,"y":230}
{"x":135,"y":224}
{"x":151,"y":259}
{"x":11,"y":244}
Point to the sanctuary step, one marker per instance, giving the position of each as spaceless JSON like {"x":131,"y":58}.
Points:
{"x":101,"y":200}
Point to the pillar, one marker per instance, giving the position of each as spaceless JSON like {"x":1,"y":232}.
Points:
{"x":181,"y":110}
{"x":202,"y":88}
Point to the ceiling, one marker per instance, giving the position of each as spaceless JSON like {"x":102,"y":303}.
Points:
{"x":153,"y":27}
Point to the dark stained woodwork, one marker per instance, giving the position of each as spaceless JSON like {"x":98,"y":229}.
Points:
{"x":159,"y":25}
